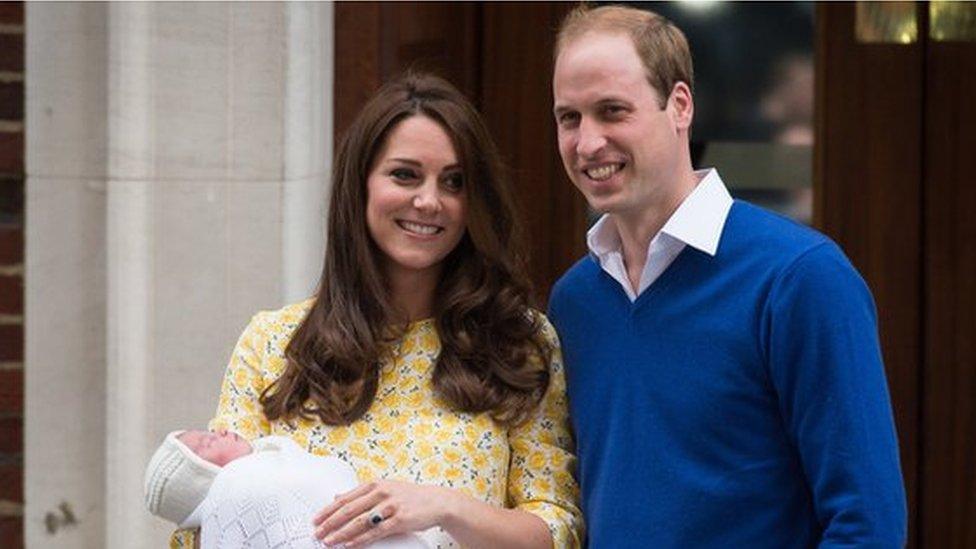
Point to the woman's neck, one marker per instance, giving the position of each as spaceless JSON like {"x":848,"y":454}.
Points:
{"x":412,"y":292}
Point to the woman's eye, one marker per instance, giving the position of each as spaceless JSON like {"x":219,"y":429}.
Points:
{"x":402,"y":174}
{"x":454,"y":182}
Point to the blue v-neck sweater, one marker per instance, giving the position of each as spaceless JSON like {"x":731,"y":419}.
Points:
{"x":740,"y":401}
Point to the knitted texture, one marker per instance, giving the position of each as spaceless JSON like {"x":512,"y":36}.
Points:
{"x":176,"y":480}
{"x":740,"y":401}
{"x":267,"y":500}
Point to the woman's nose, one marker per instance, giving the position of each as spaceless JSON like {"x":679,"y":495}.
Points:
{"x":427,"y":198}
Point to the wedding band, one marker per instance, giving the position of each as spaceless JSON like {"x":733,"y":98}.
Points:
{"x":375,"y":518}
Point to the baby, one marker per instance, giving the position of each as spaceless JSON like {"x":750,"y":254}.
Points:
{"x":259,"y":495}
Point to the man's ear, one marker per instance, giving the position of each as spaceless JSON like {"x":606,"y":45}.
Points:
{"x":681,"y":105}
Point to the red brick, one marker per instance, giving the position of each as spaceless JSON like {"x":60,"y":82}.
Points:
{"x":11,"y":245}
{"x":11,"y":343}
{"x":11,"y":435}
{"x":11,"y":392}
{"x":11,"y":200}
{"x":11,"y":153}
{"x":12,"y":532}
{"x":12,"y":482}
{"x":11,"y":100}
{"x":11,"y":295}
{"x":12,"y":13}
{"x":12,"y":52}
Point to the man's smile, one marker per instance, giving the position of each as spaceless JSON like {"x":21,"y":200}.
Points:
{"x":603,"y":172}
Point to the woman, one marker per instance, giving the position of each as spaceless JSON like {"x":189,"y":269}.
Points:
{"x":419,"y":362}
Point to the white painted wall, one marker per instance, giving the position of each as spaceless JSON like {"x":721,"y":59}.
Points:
{"x":177,"y":160}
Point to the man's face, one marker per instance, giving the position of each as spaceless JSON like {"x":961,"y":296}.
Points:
{"x":620,"y":148}
{"x":219,"y":448}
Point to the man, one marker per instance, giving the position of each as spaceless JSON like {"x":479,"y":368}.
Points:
{"x":724,"y":372}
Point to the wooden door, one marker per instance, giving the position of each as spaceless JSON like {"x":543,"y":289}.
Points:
{"x":896,"y":122}
{"x":947,"y":516}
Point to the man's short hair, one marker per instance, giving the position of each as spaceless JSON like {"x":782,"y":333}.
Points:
{"x":661,"y":46}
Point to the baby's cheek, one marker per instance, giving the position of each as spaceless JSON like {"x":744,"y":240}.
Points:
{"x":240,"y":451}
{"x":228,"y":454}
{"x":215,"y":457}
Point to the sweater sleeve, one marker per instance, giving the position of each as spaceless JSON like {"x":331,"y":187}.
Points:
{"x":540,"y":479}
{"x":238,"y":409}
{"x":825,"y":363}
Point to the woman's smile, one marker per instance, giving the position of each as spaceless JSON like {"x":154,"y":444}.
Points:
{"x":419,"y":229}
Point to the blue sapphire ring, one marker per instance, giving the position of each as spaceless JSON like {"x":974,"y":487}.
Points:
{"x":375,"y":518}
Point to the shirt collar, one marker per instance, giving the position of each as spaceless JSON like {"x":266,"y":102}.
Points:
{"x":698,"y":221}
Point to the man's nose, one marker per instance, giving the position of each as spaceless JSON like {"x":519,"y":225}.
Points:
{"x":591,"y":139}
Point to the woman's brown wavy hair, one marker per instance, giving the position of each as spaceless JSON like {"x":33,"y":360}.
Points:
{"x":493,"y":355}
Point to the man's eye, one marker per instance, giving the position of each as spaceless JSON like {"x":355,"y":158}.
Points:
{"x":613,"y":110}
{"x":568,"y":118}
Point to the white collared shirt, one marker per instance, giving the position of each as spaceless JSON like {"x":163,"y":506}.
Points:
{"x":697,"y":222}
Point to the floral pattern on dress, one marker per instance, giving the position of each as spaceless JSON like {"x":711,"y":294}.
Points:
{"x":408,"y":433}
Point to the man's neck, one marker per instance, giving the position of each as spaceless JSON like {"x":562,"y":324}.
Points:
{"x":638,"y":228}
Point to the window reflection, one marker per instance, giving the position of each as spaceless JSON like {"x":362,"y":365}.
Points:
{"x":754,"y":86}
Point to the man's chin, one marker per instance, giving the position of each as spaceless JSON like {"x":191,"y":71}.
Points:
{"x":602,"y":205}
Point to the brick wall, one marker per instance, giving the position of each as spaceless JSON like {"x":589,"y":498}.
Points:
{"x":11,"y":273}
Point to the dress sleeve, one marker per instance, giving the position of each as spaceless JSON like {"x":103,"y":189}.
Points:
{"x":182,"y":539}
{"x":238,"y":409}
{"x":542,"y":464}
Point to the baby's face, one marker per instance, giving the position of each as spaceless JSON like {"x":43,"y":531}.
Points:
{"x":219,"y":448}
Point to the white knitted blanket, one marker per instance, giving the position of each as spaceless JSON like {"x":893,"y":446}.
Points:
{"x":267,"y":500}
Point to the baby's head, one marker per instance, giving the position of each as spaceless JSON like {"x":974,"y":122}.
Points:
{"x":219,"y":448}
{"x":182,"y":469}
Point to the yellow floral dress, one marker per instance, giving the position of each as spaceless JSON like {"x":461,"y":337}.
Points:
{"x":410,"y":434}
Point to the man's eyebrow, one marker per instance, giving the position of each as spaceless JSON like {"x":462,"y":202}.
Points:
{"x":612,"y":100}
{"x":559,"y":109}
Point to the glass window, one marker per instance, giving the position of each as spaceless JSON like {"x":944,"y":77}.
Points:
{"x":754,"y":86}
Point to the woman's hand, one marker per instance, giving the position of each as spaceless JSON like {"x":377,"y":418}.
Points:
{"x":379,"y":509}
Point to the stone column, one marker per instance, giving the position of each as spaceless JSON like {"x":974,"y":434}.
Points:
{"x":177,"y":160}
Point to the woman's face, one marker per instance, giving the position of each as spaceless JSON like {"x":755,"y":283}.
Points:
{"x":416,"y":205}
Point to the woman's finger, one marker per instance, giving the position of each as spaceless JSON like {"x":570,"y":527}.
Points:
{"x":373,"y":521}
{"x":388,"y":526}
{"x":351,"y":512}
{"x":341,"y":500}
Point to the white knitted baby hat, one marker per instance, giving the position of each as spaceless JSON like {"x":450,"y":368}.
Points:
{"x":177,"y":480}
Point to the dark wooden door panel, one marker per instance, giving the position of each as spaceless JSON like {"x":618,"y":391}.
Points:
{"x":868,"y":192}
{"x":377,"y":40}
{"x":517,"y":100}
{"x":949,"y":409}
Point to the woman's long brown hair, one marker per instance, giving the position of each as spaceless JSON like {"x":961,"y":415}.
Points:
{"x":493,"y":357}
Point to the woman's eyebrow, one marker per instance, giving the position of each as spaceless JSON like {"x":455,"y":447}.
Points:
{"x":410,"y":161}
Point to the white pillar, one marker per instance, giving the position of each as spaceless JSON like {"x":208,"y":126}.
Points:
{"x":177,"y":161}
